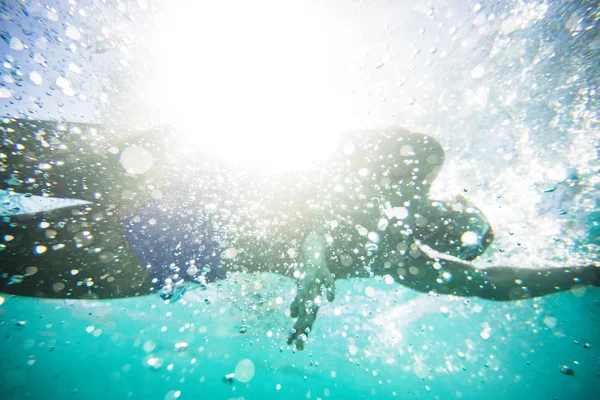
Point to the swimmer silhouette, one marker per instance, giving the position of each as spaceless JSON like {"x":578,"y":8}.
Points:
{"x":155,"y":221}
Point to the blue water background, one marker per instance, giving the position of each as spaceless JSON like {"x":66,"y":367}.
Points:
{"x":436,"y":351}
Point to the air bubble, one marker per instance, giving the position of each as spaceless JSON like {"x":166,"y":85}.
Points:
{"x":244,"y":371}
{"x":5,"y":93}
{"x":382,"y":224}
{"x":16,"y":279}
{"x":36,"y":78}
{"x":16,"y":44}
{"x":478,"y":72}
{"x":73,"y":33}
{"x":58,"y":287}
{"x":136,"y":160}
{"x":149,"y":346}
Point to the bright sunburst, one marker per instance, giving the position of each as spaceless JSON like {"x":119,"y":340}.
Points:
{"x":249,"y":81}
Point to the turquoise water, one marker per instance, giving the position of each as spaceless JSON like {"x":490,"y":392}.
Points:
{"x":394,"y":344}
{"x":508,"y":88}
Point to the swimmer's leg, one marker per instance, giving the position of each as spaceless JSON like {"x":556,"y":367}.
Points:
{"x":78,"y":161}
{"x":74,"y":252}
{"x":501,"y":283}
{"x":508,"y":283}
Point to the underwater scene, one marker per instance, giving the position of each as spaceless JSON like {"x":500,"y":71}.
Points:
{"x":299,"y":199}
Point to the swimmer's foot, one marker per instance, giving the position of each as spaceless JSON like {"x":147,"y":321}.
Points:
{"x":308,"y":300}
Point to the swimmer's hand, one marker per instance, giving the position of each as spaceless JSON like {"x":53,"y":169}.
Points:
{"x":314,"y":275}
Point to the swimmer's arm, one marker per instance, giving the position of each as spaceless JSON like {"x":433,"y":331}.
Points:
{"x":510,"y":283}
{"x":504,"y":283}
{"x":313,"y":274}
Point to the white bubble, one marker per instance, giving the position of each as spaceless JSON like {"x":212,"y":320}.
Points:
{"x":478,"y":72}
{"x":407,"y":151}
{"x":16,"y":44}
{"x":62,"y":82}
{"x":181,"y":346}
{"x":40,"y":249}
{"x":149,"y":346}
{"x":230,"y":253}
{"x":339,"y":189}
{"x":397,"y":212}
{"x":346,"y":260}
{"x":36,"y":78}
{"x":382,"y":224}
{"x":244,"y":371}
{"x":52,"y":15}
{"x":510,"y":24}
{"x":469,"y":238}
{"x":154,"y":362}
{"x":74,"y":68}
{"x":369,"y":291}
{"x":73,"y":33}
{"x":292,"y":253}
{"x":90,"y":329}
{"x":559,"y":173}
{"x":68,"y":91}
{"x":485,"y":335}
{"x":58,"y":286}
{"x":5,"y":93}
{"x":373,"y":237}
{"x":136,"y":160}
{"x":420,"y":369}
{"x":550,"y":322}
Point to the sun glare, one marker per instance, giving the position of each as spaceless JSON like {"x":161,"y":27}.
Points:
{"x":248,"y":81}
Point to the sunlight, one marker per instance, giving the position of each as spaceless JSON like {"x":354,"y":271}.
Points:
{"x":251,"y":82}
